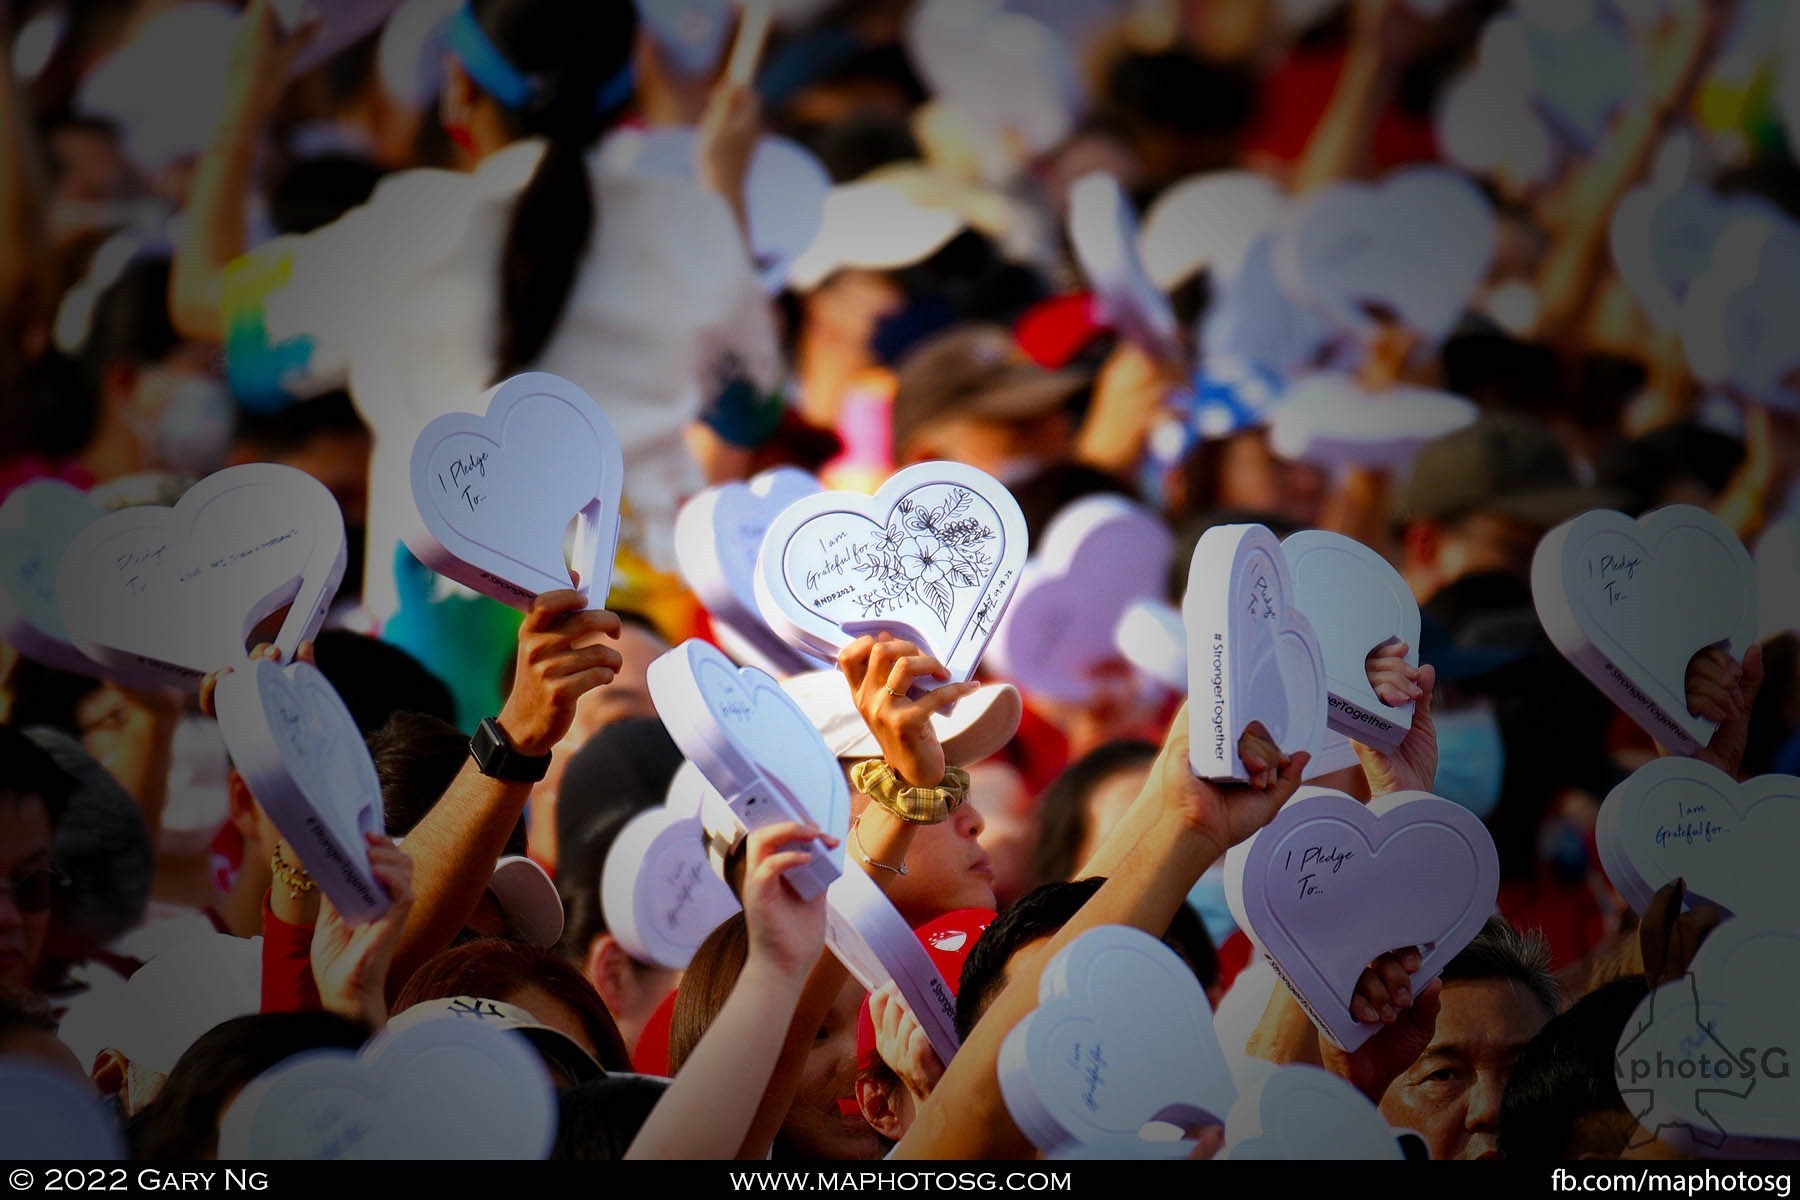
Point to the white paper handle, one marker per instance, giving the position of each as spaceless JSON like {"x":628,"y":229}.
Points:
{"x":753,"y":33}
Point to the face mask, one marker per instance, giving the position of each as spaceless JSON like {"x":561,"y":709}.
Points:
{"x":689,"y":33}
{"x":1471,"y":758}
{"x":1014,"y":471}
{"x":191,"y":430}
{"x":1208,"y":899}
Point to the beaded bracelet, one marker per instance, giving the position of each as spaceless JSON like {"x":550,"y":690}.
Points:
{"x":295,"y":878}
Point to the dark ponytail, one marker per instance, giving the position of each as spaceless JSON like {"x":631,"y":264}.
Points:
{"x":575,"y":53}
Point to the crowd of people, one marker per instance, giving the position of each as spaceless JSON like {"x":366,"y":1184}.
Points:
{"x":219,"y":247}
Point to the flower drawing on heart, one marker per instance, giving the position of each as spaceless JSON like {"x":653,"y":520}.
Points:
{"x":925,"y":555}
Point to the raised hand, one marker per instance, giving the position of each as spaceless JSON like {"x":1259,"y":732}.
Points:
{"x":1726,"y":750}
{"x":1394,"y":679}
{"x":1385,"y":1057}
{"x":1226,"y":814}
{"x":350,"y":962}
{"x":786,"y":932}
{"x":881,"y":671}
{"x":1412,"y":765}
{"x":561,"y":658}
{"x":1714,"y":686}
{"x":302,"y":653}
{"x":902,"y":1043}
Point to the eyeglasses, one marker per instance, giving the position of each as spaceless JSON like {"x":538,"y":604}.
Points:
{"x":33,"y":891}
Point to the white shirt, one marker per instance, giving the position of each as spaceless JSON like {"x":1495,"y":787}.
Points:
{"x":399,"y":301}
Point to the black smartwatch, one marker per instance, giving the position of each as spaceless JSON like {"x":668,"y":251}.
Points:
{"x":495,"y":757}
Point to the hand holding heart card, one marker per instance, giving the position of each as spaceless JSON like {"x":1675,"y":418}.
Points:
{"x":37,"y":523}
{"x":1103,"y":232}
{"x":494,"y":494}
{"x":755,"y":745}
{"x":1330,"y":885}
{"x":717,"y":536}
{"x":1252,"y":655}
{"x":176,"y":592}
{"x":1355,"y":601}
{"x":1417,"y":245}
{"x":1706,"y":1062}
{"x":304,"y":758}
{"x":1301,"y":1113}
{"x":1099,"y":555}
{"x":870,"y":937}
{"x":658,"y":889}
{"x":933,"y":557}
{"x":442,"y":1087}
{"x":1330,"y":419}
{"x":1679,"y":818}
{"x":1629,"y":603}
{"x":1122,"y":1036}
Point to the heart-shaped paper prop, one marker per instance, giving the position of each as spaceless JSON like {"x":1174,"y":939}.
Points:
{"x":1778,"y":579}
{"x":37,"y":523}
{"x":658,"y":890}
{"x":46,"y":1115}
{"x":1581,"y":73}
{"x":1006,"y":70}
{"x":1252,"y":655}
{"x":1151,"y":637}
{"x":1122,"y":1036}
{"x":1207,"y":221}
{"x":1300,"y":1112}
{"x":441,"y":1088}
{"x":1679,"y":818}
{"x":1706,"y":1063}
{"x":177,"y":591}
{"x":1737,"y":321}
{"x":1419,"y":245}
{"x":1629,"y":603}
{"x":1103,"y":234}
{"x":756,"y":746}
{"x":1099,"y":555}
{"x":494,"y":494}
{"x":1330,"y":885}
{"x":1255,"y":321}
{"x":339,"y":24}
{"x":1331,"y":420}
{"x":299,"y":749}
{"x":873,"y":941}
{"x":1355,"y":601}
{"x":784,"y":193}
{"x":1663,"y":241}
{"x":933,"y":557}
{"x":717,"y":536}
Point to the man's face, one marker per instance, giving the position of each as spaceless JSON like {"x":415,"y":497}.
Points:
{"x":24,"y":852}
{"x":946,"y":868}
{"x":1451,"y":1094}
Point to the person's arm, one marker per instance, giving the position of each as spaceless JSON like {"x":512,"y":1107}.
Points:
{"x":1412,"y":765}
{"x":1195,"y":823}
{"x":716,"y":1097}
{"x":454,"y":846}
{"x":350,"y":963}
{"x":22,"y":200}
{"x":729,"y":131}
{"x":1733,"y":689}
{"x":218,"y":198}
{"x":1383,"y":33}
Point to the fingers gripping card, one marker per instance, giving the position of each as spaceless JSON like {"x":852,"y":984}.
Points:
{"x":494,"y":494}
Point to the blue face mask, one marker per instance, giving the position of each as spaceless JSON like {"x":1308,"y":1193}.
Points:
{"x":1471,"y":757}
{"x":1208,"y":899}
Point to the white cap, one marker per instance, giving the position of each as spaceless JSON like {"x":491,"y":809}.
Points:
{"x":980,"y":725}
{"x":874,"y":226}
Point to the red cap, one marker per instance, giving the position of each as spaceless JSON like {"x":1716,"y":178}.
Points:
{"x":948,"y":940}
{"x":651,"y":1054}
{"x":1053,"y":332}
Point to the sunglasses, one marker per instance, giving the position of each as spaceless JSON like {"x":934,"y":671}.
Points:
{"x":33,"y":891}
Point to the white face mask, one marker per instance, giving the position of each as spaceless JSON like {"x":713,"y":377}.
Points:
{"x":191,"y":430}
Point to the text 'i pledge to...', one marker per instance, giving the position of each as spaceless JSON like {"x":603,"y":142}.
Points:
{"x":1314,"y":861}
{"x":1612,"y":572}
{"x":464,"y":476}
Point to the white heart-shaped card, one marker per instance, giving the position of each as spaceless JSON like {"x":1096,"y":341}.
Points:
{"x":1252,"y":654}
{"x":1300,"y":1112}
{"x":1330,"y":419}
{"x":1254,"y":320}
{"x":1778,"y":578}
{"x":1629,"y":603}
{"x":440,"y":1088}
{"x":337,"y":25}
{"x":658,"y":888}
{"x":1679,"y":818}
{"x":1418,"y":244}
{"x":756,"y":747}
{"x":934,"y":557}
{"x":1706,"y":1062}
{"x":300,"y":750}
{"x":1104,"y":236}
{"x":175,"y":592}
{"x":1151,"y":637}
{"x":1663,"y":241}
{"x":1330,"y":885}
{"x":784,"y":192}
{"x":1122,"y":1036}
{"x":1006,"y":70}
{"x":37,"y":523}
{"x":45,"y":1115}
{"x":1098,"y":556}
{"x":870,"y":937}
{"x":717,"y":536}
{"x":493,"y":495}
{"x":1355,"y":601}
{"x":1207,"y":221}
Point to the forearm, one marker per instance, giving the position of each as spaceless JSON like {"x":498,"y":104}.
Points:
{"x":966,"y":1116}
{"x":1284,"y":1035}
{"x":705,"y":1112}
{"x":823,"y":985}
{"x":453,"y":848}
{"x":1340,"y":145}
{"x":213,"y":232}
{"x":22,"y":200}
